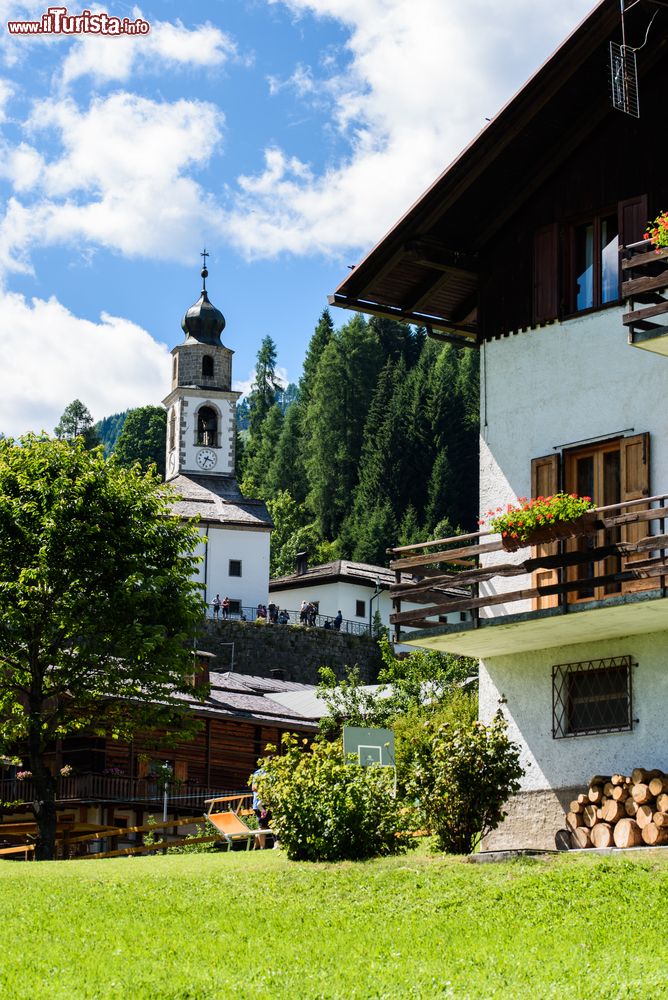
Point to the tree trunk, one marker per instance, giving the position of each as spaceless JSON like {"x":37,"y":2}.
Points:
{"x":44,"y":804}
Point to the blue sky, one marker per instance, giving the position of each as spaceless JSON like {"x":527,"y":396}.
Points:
{"x":285,"y":135}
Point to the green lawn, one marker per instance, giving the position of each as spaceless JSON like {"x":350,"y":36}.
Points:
{"x":256,"y":925}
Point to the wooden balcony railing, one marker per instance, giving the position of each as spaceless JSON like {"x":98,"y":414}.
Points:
{"x":108,"y":788}
{"x":645,"y":287}
{"x":617,"y":553}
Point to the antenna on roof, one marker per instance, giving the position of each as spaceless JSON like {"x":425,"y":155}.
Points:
{"x":623,"y":67}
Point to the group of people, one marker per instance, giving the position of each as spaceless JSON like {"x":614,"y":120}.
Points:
{"x":220,"y":608}
{"x":271,"y":613}
{"x":308,"y":613}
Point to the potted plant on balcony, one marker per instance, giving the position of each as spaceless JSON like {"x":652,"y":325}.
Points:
{"x":543,"y":519}
{"x":657,"y":232}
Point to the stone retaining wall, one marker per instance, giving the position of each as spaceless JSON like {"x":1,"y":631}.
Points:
{"x":293,"y":651}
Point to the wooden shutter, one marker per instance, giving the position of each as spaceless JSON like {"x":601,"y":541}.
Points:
{"x":546,"y":274}
{"x":181,"y":770}
{"x":632,"y":219}
{"x":544,"y":483}
{"x":634,"y":476}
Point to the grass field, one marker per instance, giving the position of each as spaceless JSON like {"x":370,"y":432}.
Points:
{"x":256,"y":925}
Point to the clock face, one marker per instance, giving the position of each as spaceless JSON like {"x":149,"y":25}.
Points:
{"x":206,"y":458}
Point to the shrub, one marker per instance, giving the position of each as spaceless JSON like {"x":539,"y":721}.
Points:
{"x":461,"y":779}
{"x":326,"y":810}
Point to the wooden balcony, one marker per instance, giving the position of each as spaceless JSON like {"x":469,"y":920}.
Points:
{"x":621,"y":560}
{"x":97,"y":788}
{"x":645,"y":287}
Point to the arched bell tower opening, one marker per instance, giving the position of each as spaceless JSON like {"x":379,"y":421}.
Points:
{"x":207,"y":427}
{"x":207,"y":366}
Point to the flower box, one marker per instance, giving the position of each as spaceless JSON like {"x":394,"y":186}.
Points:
{"x":555,"y":532}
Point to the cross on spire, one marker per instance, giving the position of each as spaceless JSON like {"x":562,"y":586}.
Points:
{"x":204,"y":254}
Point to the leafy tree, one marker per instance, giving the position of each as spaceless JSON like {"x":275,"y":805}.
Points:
{"x":76,"y":421}
{"x":326,"y":809}
{"x":462,"y":777}
{"x":294,"y":531}
{"x":143,"y":439}
{"x":265,"y":388}
{"x":97,"y":605}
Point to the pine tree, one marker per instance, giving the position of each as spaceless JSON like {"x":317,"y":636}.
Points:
{"x":286,"y":470}
{"x":259,"y":454}
{"x":265,"y":387}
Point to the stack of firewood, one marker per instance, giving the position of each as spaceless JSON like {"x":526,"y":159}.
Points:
{"x":621,"y":811}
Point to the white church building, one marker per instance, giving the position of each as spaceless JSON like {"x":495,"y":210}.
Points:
{"x":200,"y":464}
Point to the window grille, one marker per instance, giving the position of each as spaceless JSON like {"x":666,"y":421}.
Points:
{"x":593,"y":696}
{"x":235,"y":567}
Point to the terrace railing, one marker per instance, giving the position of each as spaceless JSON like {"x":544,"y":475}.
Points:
{"x":624,"y":548}
{"x":645,"y":288}
{"x":91,"y":787}
{"x":319,"y":621}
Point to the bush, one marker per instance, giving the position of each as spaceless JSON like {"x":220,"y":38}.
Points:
{"x":326,"y":810}
{"x":461,"y":779}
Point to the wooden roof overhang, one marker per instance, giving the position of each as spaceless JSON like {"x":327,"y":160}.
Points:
{"x":428,"y":268}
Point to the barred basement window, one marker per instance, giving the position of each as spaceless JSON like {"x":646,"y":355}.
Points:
{"x":594,"y":696}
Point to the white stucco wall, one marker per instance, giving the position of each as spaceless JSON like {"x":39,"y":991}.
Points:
{"x":344,"y":595}
{"x":524,"y":681}
{"x":225,"y":543}
{"x":557,"y":385}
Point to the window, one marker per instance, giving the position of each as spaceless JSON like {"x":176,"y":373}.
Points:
{"x":207,"y":427}
{"x":360,"y":609}
{"x":207,"y":366}
{"x":235,"y":567}
{"x":575,"y":264}
{"x":235,"y":607}
{"x":175,"y":367}
{"x":594,"y":696}
{"x":172,"y":429}
{"x":596,"y":262}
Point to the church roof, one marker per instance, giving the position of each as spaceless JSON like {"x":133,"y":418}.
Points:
{"x":217,"y":499}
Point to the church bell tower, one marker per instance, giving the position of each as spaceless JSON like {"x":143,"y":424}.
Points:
{"x":201,"y":405}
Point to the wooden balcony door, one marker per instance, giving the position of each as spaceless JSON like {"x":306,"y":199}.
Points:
{"x":609,"y":473}
{"x":595,"y":472}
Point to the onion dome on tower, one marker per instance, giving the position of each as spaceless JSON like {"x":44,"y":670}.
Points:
{"x":203,"y":323}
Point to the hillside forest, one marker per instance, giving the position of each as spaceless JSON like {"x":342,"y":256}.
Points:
{"x":377,"y":445}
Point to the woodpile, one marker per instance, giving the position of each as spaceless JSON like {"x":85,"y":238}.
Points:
{"x":619,"y":810}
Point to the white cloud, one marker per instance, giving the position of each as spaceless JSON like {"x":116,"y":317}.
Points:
{"x":120,"y":179}
{"x":110,"y":365}
{"x":167,"y":45}
{"x":6,"y":91}
{"x":421,"y":79}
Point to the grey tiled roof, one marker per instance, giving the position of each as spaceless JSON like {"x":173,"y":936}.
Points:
{"x":245,"y":696}
{"x":217,"y":498}
{"x":340,"y":569}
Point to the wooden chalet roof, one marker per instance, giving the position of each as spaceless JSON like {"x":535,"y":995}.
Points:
{"x":427,"y":269}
